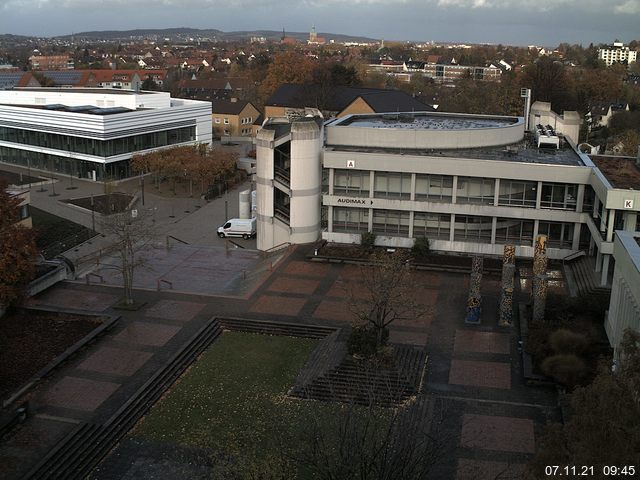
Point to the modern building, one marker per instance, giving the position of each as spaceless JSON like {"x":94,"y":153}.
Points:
{"x":469,"y":183}
{"x":617,"y":53}
{"x":93,"y":133}
{"x":624,"y":307}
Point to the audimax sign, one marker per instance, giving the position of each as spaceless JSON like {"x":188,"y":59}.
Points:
{"x":354,"y":201}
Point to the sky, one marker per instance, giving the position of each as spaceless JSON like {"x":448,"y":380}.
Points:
{"x":510,"y":22}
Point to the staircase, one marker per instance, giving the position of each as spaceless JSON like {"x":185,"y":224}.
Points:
{"x":586,"y":280}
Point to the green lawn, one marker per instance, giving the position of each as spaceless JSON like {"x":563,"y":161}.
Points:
{"x":232,"y":403}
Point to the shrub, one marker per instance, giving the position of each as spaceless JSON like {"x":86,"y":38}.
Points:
{"x":567,"y":369}
{"x":421,"y":247}
{"x":566,"y":341}
{"x":364,"y":341}
{"x":368,"y":240}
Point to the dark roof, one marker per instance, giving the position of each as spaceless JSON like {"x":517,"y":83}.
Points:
{"x":228,"y":107}
{"x":259,"y":120}
{"x":338,"y":98}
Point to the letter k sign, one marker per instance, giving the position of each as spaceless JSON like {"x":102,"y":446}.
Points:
{"x":628,"y":204}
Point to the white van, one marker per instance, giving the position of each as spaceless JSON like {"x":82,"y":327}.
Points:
{"x":238,"y":227}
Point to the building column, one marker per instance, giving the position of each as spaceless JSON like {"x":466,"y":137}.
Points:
{"x":452,"y":227}
{"x":538,"y":198}
{"x":330,"y":218}
{"x":494,"y":227}
{"x":598,"y":261}
{"x":412,"y":197}
{"x":454,"y":189}
{"x":371,"y":183}
{"x":331,"y":177}
{"x":575,"y":243}
{"x":411,"y":224}
{"x":370,"y":222}
{"x":605,"y":270}
{"x":596,"y":206}
{"x":611,"y":225}
{"x":580,"y":199}
{"x":496,"y":193}
{"x":536,"y":227}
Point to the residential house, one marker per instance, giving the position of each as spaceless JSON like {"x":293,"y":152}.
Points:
{"x":600,"y":114}
{"x":51,"y":62}
{"x":233,"y":118}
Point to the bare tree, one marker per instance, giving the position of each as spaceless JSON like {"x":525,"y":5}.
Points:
{"x":130,"y":230}
{"x":388,"y":287}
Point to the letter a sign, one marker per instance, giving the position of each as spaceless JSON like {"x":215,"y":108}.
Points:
{"x":351,"y":164}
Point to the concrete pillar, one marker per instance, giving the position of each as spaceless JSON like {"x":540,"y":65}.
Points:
{"x":411,"y":213}
{"x":371,"y":184}
{"x":413,"y":187}
{"x":580,"y":199}
{"x":330,"y":219}
{"x":454,"y":189}
{"x":494,"y":227}
{"x":496,"y":193}
{"x":575,"y":242}
{"x":611,"y":225}
{"x":452,"y":227}
{"x":538,"y":196}
{"x":598,"y":261}
{"x":596,"y":206}
{"x":370,"y":222}
{"x":331,"y":180}
{"x":603,"y":220}
{"x":604,"y":277}
{"x":536,"y":226}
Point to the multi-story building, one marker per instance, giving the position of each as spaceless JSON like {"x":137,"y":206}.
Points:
{"x":469,"y":183}
{"x":51,"y":62}
{"x":617,"y":53}
{"x":93,"y":133}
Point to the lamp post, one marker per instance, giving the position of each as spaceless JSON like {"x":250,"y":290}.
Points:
{"x":142,"y":187}
{"x":53,"y":188}
{"x":93,"y":216}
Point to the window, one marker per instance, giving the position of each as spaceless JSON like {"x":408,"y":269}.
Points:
{"x":216,"y":120}
{"x":350,"y":220}
{"x":434,"y":187}
{"x":431,"y":225}
{"x":351,"y":182}
{"x":475,"y":190}
{"x":392,"y":185}
{"x":517,"y":193}
{"x":559,"y":234}
{"x":559,"y":196}
{"x":514,"y":231}
{"x":226,"y":121}
{"x":391,"y":222}
{"x":470,"y":228}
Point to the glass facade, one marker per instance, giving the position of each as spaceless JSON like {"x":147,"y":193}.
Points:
{"x":475,"y":190}
{"x":436,"y":188}
{"x":559,"y":196}
{"x":471,"y":228}
{"x":353,"y":220}
{"x":514,"y":231}
{"x":517,"y":193}
{"x":351,"y":182}
{"x":392,"y":185}
{"x":391,"y":222}
{"x":98,"y":148}
{"x":559,"y":234}
{"x":431,"y":225}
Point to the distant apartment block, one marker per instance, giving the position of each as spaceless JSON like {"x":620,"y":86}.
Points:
{"x":233,"y":118}
{"x":440,"y":72}
{"x":617,"y":53}
{"x":51,"y":62}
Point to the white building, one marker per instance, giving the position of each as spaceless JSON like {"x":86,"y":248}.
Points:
{"x":617,"y":53}
{"x":469,"y":183}
{"x":624,"y":308}
{"x":93,"y":133}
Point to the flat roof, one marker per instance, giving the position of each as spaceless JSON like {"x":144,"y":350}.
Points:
{"x":621,"y":172}
{"x":83,"y":109}
{"x":427,"y":121}
{"x":108,"y":91}
{"x":525,"y":151}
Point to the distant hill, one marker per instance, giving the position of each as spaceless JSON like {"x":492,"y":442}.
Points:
{"x":212,"y":34}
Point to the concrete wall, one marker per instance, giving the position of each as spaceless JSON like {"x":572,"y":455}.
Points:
{"x":624,"y":307}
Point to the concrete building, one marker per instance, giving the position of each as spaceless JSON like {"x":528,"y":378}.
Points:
{"x":617,"y":53}
{"x":624,"y":308}
{"x":93,"y":133}
{"x":51,"y":62}
{"x":469,"y":183}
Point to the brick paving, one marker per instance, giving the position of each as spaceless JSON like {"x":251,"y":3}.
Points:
{"x":482,"y":342}
{"x":471,"y":372}
{"x":474,"y":373}
{"x":115,"y":361}
{"x":79,"y":393}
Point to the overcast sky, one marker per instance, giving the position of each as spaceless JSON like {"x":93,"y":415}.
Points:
{"x":513,"y":22}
